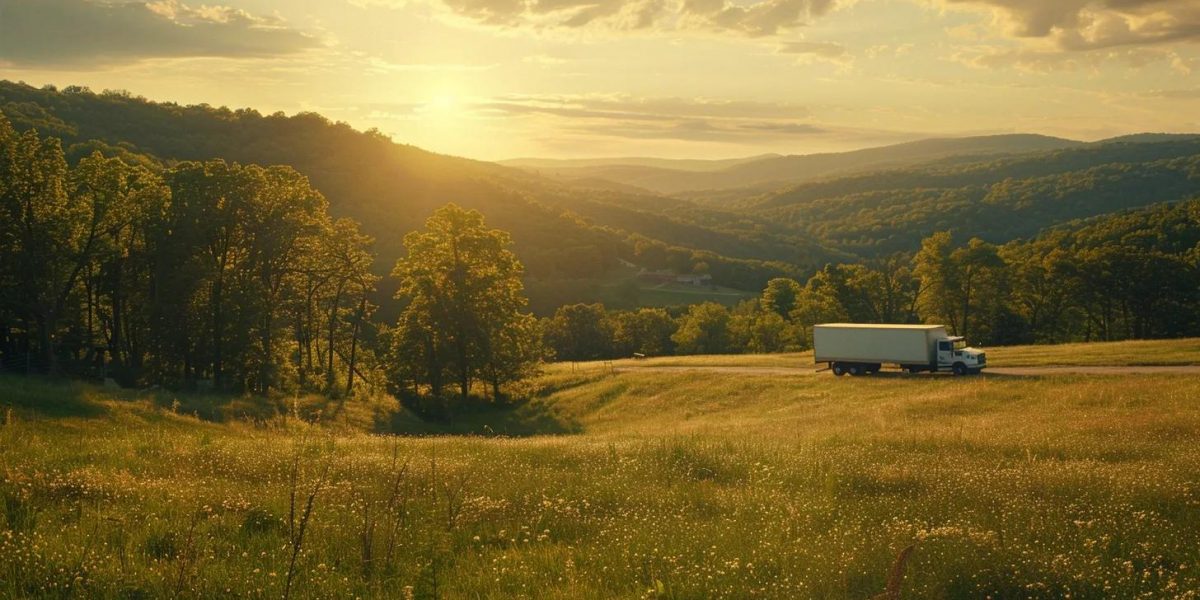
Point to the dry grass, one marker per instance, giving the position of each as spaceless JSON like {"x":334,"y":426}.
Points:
{"x":678,"y":485}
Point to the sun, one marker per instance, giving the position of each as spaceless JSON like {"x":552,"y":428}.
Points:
{"x":443,"y":103}
{"x":442,"y":118}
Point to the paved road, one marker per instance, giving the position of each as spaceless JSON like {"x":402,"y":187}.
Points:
{"x":993,"y":371}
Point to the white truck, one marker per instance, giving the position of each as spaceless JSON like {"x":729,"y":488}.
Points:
{"x":860,"y":349}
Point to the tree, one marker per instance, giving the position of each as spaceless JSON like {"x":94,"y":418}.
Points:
{"x":780,"y":296}
{"x":646,"y":331}
{"x":464,"y":303}
{"x":770,"y":333}
{"x":939,"y":279}
{"x":580,"y":332}
{"x":980,"y":291}
{"x":704,"y":330}
{"x":1043,"y":287}
{"x":818,"y":303}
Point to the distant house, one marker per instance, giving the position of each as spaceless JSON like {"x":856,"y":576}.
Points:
{"x":669,"y":276}
{"x":697,"y":280}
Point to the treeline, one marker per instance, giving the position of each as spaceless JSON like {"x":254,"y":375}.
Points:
{"x":1133,"y":275}
{"x":464,"y":323}
{"x":209,"y":274}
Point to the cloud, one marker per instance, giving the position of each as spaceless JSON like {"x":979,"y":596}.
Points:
{"x":75,"y":33}
{"x":621,"y":116}
{"x":1082,"y":25}
{"x":828,"y":50}
{"x":751,"y":18}
{"x":1174,"y":94}
{"x":810,"y":52}
{"x":1047,"y":60}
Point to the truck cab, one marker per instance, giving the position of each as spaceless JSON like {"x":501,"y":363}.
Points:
{"x":953,"y":354}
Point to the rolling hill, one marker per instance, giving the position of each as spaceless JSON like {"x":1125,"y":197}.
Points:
{"x":998,"y":201}
{"x":773,"y":171}
{"x":579,"y":239}
{"x":562,"y":233}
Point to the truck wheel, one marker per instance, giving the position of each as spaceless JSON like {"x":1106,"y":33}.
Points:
{"x":838,"y":369}
{"x":960,"y":369}
{"x":855,"y":370}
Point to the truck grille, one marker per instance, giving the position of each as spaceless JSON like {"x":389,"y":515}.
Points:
{"x":982,"y":358}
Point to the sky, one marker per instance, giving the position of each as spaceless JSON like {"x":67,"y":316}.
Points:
{"x":495,"y":79}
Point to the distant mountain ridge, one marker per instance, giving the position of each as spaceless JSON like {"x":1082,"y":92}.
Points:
{"x":681,"y":164}
{"x":777,"y":171}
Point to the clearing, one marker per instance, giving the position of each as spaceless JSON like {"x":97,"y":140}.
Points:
{"x":690,"y":484}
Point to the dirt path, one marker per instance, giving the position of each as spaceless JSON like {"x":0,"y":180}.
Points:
{"x":996,"y":371}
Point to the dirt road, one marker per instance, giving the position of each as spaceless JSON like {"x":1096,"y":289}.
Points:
{"x":990,"y":371}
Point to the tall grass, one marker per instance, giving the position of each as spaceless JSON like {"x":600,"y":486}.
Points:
{"x":693,"y":485}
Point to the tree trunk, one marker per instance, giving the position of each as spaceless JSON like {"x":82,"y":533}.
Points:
{"x":217,"y":326}
{"x":362,"y":312}
{"x":337,"y":300}
{"x":46,"y":346}
{"x":434,"y":369}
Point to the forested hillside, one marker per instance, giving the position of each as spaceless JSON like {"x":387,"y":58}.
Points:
{"x":392,"y":188}
{"x":998,"y":201}
{"x":1129,"y":275}
{"x":578,"y":240}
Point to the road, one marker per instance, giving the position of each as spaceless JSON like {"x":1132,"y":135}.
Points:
{"x":991,"y":371}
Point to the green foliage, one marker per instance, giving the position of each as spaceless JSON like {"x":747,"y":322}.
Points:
{"x":580,"y":332}
{"x":1000,"y":201}
{"x":646,"y":331}
{"x":463,"y":317}
{"x":781,"y":295}
{"x":202,"y":274}
{"x":559,"y":232}
{"x":704,"y":330}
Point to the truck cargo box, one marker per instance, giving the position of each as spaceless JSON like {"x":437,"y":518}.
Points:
{"x":860,"y":343}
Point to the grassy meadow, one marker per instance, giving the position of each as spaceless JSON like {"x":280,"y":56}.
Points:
{"x":637,"y":485}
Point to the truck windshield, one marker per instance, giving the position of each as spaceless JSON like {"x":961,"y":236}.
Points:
{"x":960,"y":344}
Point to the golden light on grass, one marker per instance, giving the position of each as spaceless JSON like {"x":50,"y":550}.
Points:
{"x":655,"y":485}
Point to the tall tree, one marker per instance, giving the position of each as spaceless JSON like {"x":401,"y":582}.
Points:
{"x":464,"y":299}
{"x":939,"y":278}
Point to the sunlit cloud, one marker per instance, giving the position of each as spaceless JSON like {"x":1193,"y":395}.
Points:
{"x":1092,"y":24}
{"x":75,"y":33}
{"x":756,"y":18}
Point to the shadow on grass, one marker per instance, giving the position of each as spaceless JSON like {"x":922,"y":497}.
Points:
{"x":48,"y":398}
{"x":35,"y":397}
{"x":526,"y":419}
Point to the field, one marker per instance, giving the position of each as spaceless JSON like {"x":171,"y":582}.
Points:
{"x":622,"y":289}
{"x":645,"y":485}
